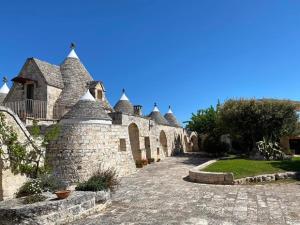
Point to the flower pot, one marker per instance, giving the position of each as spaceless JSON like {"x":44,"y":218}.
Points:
{"x":145,"y":162}
{"x":62,"y":194}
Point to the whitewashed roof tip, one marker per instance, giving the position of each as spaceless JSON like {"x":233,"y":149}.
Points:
{"x":87,"y":97}
{"x":170,"y":110}
{"x":124,"y":97}
{"x":155,"y":109}
{"x":73,"y":54}
{"x":4,"y":89}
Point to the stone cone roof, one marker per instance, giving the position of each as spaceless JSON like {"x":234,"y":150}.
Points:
{"x":172,"y":119}
{"x":75,"y":78}
{"x":2,"y":97}
{"x":157,"y":117}
{"x":124,"y":105}
{"x":87,"y":110}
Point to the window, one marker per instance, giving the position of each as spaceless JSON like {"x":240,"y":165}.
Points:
{"x":99,"y":94}
{"x":122,"y":144}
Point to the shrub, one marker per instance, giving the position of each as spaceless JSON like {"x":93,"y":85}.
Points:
{"x":151,"y":160}
{"x":270,"y":150}
{"x":214,"y":146}
{"x":102,"y":180}
{"x":31,"y":187}
{"x":34,"y":198}
{"x":51,"y":183}
{"x":139,"y":163}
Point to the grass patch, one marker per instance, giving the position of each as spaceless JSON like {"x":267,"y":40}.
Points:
{"x":246,"y":167}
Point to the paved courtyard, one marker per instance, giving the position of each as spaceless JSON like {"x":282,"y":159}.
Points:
{"x":159,"y":194}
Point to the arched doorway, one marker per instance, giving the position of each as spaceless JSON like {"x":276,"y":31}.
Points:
{"x":194,"y":140}
{"x":163,"y":142}
{"x":134,"y":138}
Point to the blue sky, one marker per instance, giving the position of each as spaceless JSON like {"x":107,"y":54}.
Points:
{"x":187,"y":53}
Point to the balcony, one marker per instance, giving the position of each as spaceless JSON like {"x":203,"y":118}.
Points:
{"x":33,"y":109}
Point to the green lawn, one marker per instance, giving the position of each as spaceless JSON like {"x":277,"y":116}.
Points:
{"x":245,"y":167}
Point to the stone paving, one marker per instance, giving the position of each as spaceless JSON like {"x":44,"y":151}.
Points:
{"x":160,"y":194}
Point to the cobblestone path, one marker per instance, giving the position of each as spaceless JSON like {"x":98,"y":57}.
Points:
{"x":158,"y":194}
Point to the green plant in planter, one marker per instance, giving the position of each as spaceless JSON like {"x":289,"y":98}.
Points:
{"x":139,"y":163}
{"x":101,"y":180}
{"x":34,"y":198}
{"x":31,"y":187}
{"x":151,"y":160}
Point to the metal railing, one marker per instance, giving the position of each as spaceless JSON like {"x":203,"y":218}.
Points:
{"x":29,"y":108}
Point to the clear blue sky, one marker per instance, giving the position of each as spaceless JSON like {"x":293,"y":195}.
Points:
{"x":187,"y":53}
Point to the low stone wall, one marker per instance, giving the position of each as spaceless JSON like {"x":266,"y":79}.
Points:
{"x":268,"y":178}
{"x":198,"y":176}
{"x":53,"y":211}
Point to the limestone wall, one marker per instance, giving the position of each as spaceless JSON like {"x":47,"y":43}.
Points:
{"x":10,"y":183}
{"x":84,"y":148}
{"x":149,"y":129}
{"x":52,"y":95}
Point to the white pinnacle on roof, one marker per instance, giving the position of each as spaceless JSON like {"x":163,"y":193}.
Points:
{"x":87,"y":97}
{"x":4,"y":89}
{"x":155,"y":109}
{"x":73,"y":54}
{"x":124,"y":97}
{"x":170,"y":110}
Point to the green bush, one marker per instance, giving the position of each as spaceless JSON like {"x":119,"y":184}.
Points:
{"x":34,"y":198}
{"x":51,"y":183}
{"x":214,"y":146}
{"x":31,"y":187}
{"x":249,"y":121}
{"x":102,"y":180}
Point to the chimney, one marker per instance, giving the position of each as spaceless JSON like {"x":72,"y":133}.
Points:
{"x":138,"y":110}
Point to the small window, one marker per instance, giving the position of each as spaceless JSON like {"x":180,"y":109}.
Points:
{"x":122,"y":144}
{"x":99,"y":94}
{"x":157,"y":151}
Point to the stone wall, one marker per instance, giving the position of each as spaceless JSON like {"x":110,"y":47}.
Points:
{"x":149,"y":129}
{"x":9,"y":182}
{"x":52,"y":96}
{"x":84,"y":148}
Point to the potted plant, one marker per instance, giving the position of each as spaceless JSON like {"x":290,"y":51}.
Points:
{"x":144,"y":162}
{"x":62,"y":194}
{"x":139,"y":164}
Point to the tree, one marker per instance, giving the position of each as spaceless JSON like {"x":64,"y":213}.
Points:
{"x":204,"y":121}
{"x":207,"y":122}
{"x":26,"y":157}
{"x":249,"y":121}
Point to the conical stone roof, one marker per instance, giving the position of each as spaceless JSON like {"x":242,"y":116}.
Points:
{"x":157,"y":117}
{"x":169,"y":116}
{"x":87,"y":109}
{"x":124,"y":105}
{"x":75,"y":78}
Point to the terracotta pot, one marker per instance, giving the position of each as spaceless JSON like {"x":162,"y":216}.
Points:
{"x":62,"y":194}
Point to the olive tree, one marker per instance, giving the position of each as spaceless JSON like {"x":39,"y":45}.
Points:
{"x":250,"y":121}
